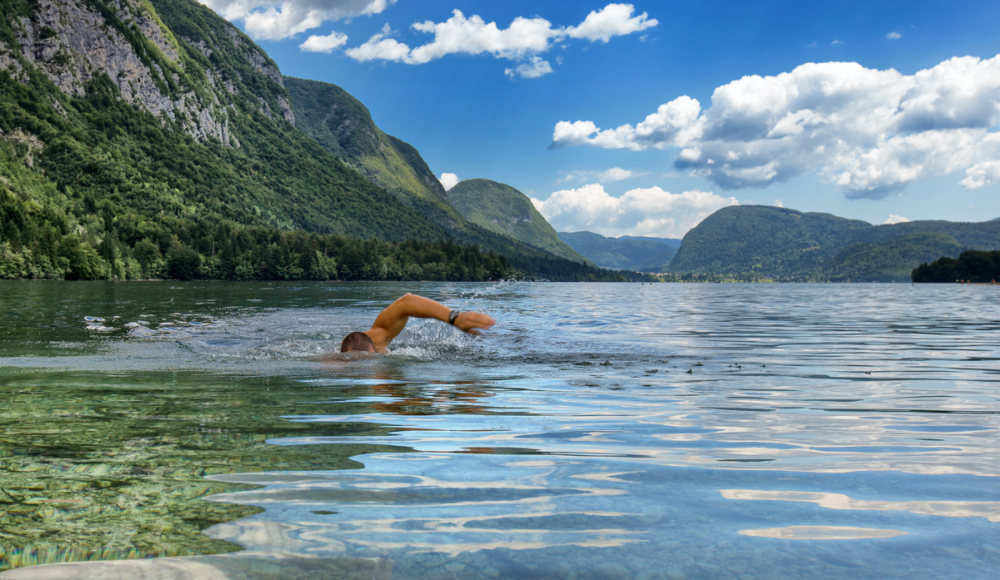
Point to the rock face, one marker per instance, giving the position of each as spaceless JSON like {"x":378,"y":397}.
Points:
{"x":73,"y":42}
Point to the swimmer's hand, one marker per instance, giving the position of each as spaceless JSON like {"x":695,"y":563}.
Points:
{"x":470,"y":322}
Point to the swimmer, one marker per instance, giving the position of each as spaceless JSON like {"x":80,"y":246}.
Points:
{"x":391,"y":321}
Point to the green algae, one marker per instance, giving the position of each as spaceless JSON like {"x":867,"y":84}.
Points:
{"x":96,"y":466}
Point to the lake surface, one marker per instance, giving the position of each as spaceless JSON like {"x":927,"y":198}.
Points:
{"x":209,"y":430}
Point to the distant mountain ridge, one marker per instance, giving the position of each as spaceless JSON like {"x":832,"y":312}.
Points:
{"x":785,"y":242}
{"x":505,"y":210}
{"x":624,"y":253}
{"x":672,"y":242}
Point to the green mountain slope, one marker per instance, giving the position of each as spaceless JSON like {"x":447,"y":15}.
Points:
{"x":147,"y":138}
{"x":618,"y":253}
{"x":784,"y":242}
{"x":658,"y":262}
{"x":890,"y":261}
{"x":505,"y":210}
{"x":152,"y":119}
{"x":344,"y":127}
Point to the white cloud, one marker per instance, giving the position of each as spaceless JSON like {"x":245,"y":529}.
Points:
{"x":521,"y":42}
{"x":641,"y":212}
{"x":981,"y":175}
{"x":449,"y":180}
{"x":612,"y":20}
{"x":777,"y":203}
{"x":836,"y":42}
{"x":894,"y":36}
{"x":326,"y":44}
{"x":895,"y":219}
{"x":270,"y":20}
{"x":870,"y":131}
{"x":532,"y":69}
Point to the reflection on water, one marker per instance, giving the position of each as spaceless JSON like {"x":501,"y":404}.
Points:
{"x":599,"y":431}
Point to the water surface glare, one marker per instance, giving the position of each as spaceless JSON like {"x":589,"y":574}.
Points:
{"x":208,"y":430}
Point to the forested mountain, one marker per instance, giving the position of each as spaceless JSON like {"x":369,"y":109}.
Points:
{"x":344,"y":127}
{"x":891,"y":261}
{"x":672,"y":242}
{"x":145,"y":138}
{"x":784,"y":242}
{"x":503,"y":209}
{"x":624,"y":253}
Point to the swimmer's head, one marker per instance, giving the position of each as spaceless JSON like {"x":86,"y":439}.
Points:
{"x":357,"y":341}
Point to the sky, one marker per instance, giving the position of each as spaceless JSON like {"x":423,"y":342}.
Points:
{"x":643,"y":118}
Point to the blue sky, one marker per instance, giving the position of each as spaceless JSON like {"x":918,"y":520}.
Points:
{"x":543,"y":105}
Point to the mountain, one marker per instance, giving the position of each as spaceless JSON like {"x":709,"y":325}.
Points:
{"x":622,"y":253}
{"x":890,"y":261}
{"x":785,"y":242}
{"x":161,"y":107}
{"x":152,"y":138}
{"x":344,"y":127}
{"x":672,"y":242}
{"x":505,"y":210}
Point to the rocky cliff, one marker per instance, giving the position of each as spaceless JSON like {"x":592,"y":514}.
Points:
{"x":71,"y":42}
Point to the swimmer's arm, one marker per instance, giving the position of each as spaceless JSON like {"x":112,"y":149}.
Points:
{"x":391,"y":321}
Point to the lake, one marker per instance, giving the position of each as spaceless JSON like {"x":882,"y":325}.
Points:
{"x":208,"y":430}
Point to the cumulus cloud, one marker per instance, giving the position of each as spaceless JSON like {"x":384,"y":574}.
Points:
{"x":894,"y":36}
{"x":612,"y":20}
{"x":777,"y":203}
{"x":870,"y":131}
{"x":449,"y":180}
{"x":326,"y":44}
{"x":270,"y":20}
{"x":532,"y":69}
{"x":639,"y":212}
{"x":523,"y":41}
{"x":895,"y":219}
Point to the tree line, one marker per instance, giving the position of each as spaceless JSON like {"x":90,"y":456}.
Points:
{"x":39,"y":241}
{"x":977,"y":266}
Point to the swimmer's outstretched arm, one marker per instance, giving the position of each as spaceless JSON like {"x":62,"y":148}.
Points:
{"x":391,"y":321}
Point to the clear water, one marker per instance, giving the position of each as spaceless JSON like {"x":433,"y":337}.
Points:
{"x":599,"y":431}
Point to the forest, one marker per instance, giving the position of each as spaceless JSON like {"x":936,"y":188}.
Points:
{"x":975,"y":266}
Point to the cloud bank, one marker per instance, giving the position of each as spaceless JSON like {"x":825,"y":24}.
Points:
{"x":270,"y":20}
{"x":870,"y":131}
{"x":523,"y":41}
{"x":639,"y":212}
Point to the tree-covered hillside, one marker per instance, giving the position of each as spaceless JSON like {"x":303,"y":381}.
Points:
{"x":505,"y":210}
{"x":784,"y":242}
{"x":344,"y":127}
{"x":124,"y":122}
{"x":624,"y":253}
{"x":891,"y":261}
{"x":140,"y":133}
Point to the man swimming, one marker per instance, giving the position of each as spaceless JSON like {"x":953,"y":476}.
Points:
{"x":391,"y":321}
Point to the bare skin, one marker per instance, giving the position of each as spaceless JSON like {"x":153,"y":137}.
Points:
{"x":391,"y":321}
